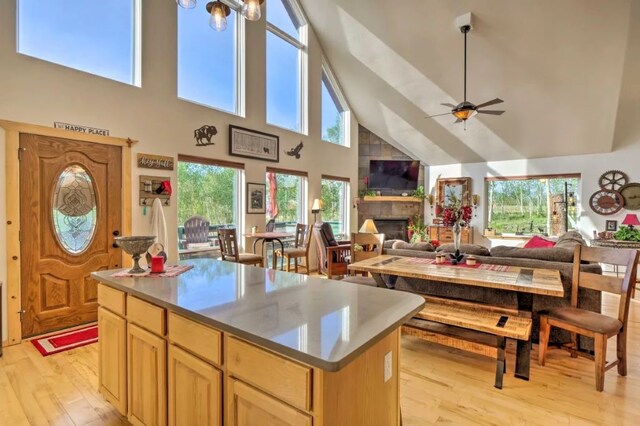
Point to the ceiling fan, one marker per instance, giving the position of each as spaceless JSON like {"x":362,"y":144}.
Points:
{"x":465,"y":109}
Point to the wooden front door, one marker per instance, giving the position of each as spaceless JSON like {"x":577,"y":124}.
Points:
{"x":70,"y":208}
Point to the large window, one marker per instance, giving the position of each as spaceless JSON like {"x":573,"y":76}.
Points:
{"x":544,"y":205}
{"x":335,"y":200}
{"x":101,"y":39}
{"x":286,"y":198}
{"x":210,"y":62}
{"x":335,"y":115}
{"x":210,"y":190}
{"x":286,"y":66}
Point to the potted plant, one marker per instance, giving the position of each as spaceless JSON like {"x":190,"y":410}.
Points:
{"x":416,"y":231}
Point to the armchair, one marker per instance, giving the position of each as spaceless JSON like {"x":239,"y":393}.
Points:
{"x":333,"y":256}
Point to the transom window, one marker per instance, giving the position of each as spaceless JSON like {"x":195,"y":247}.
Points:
{"x":99,"y":39}
{"x":209,"y":62}
{"x":335,"y":113}
{"x":286,"y":65}
{"x":335,"y":200}
{"x":530,"y":205}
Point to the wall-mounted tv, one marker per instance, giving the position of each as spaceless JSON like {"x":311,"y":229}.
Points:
{"x":394,"y":174}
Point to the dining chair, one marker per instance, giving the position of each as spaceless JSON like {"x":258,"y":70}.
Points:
{"x":228,"y":240}
{"x":591,"y":324}
{"x":300,"y":249}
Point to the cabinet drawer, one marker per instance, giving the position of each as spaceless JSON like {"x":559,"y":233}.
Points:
{"x":112,"y":299}
{"x":248,"y":406}
{"x":280,"y":377}
{"x":146,"y":315}
{"x":197,"y":338}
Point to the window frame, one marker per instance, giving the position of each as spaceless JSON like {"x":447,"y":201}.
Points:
{"x":346,"y":196}
{"x":239,"y":63}
{"x":303,"y":64}
{"x":551,"y":176}
{"x":136,"y":60}
{"x":341,"y":102}
{"x":303,"y":190}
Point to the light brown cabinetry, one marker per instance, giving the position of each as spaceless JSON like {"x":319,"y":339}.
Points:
{"x":194,"y":391}
{"x":112,"y":367}
{"x":444,"y":234}
{"x":248,"y":406}
{"x":146,"y":373}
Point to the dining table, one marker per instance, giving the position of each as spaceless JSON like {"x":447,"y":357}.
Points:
{"x":269,"y":237}
{"x":524,"y":282}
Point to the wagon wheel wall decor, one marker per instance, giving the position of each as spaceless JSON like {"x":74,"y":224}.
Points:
{"x":613,"y":180}
{"x":606,"y":202}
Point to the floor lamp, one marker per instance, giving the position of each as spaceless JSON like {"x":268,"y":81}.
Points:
{"x":316,"y":208}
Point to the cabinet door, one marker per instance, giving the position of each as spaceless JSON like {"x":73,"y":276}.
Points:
{"x":248,"y":406}
{"x":195,"y":390}
{"x":146,"y":368}
{"x":112,"y":364}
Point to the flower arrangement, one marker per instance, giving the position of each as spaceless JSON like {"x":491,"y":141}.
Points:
{"x":455,"y":213}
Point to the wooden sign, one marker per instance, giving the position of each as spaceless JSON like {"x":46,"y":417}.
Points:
{"x":158,"y":162}
{"x":81,"y":129}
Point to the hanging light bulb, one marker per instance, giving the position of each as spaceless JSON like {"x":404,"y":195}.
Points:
{"x":219,"y":12}
{"x":251,"y":9}
{"x":186,"y":4}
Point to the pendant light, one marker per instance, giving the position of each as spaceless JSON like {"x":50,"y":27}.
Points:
{"x":186,"y":4}
{"x":251,"y":9}
{"x":219,"y":12}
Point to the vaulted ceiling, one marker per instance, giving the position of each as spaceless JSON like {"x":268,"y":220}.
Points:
{"x":558,"y":65}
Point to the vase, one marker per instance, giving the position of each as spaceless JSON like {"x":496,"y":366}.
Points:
{"x":457,"y":234}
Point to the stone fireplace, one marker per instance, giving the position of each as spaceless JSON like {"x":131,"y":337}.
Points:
{"x":393,"y":228}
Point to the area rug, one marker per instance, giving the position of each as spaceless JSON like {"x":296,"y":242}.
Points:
{"x":65,"y":340}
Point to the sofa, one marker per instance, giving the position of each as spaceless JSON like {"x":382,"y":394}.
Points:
{"x":559,"y":257}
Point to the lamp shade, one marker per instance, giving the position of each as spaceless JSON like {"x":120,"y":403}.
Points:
{"x":368,"y":227}
{"x":631,"y":219}
{"x":317,"y":205}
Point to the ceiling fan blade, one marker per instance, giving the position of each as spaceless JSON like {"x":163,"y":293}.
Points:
{"x":448,"y":105}
{"x":458,"y":121}
{"x":438,"y":115}
{"x":491,"y":102}
{"x":492,"y":112}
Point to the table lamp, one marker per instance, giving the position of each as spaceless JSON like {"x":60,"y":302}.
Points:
{"x":368,"y":227}
{"x":316,"y":207}
{"x":631,"y":220}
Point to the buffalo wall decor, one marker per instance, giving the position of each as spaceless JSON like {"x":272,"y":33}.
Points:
{"x":253,"y":144}
{"x":204,"y":134}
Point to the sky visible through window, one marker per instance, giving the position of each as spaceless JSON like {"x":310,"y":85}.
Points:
{"x":283,"y":71}
{"x":206,"y":59}
{"x":332,"y":117}
{"x":98,"y":39}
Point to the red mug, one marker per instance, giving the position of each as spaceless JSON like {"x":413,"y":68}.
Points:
{"x":157,"y":264}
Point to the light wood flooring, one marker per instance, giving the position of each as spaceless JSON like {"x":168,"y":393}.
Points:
{"x":439,"y":385}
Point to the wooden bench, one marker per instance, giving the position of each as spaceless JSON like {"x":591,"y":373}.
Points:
{"x":473,"y":327}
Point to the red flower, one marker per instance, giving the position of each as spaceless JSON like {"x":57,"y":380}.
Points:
{"x":435,"y":243}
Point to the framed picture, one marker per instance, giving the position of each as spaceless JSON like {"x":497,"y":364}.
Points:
{"x":253,"y":144}
{"x":612,"y":225}
{"x":256,"y":198}
{"x":458,"y":187}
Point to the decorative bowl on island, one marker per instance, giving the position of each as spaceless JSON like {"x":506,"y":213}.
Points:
{"x":135,"y":246}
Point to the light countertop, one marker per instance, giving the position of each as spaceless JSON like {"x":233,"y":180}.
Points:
{"x":323,"y":323}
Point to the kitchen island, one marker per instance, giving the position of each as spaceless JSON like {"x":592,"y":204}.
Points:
{"x":231,"y":344}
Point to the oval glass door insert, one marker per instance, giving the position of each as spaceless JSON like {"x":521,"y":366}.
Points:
{"x":74,"y":209}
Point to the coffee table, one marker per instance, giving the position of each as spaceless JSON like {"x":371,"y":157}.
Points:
{"x":525,"y":282}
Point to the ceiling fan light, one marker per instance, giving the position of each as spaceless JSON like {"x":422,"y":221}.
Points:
{"x":186,"y":4}
{"x":251,"y":9}
{"x":219,"y":12}
{"x":464,"y":114}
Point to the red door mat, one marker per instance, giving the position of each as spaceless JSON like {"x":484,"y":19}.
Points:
{"x":65,"y":340}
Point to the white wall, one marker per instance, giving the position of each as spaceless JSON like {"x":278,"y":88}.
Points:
{"x":590,"y":167}
{"x":38,"y":92}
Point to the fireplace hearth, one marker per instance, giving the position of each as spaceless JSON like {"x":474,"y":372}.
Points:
{"x":393,"y":228}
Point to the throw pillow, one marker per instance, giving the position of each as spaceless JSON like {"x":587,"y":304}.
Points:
{"x":538,"y":242}
{"x":474,"y":249}
{"x":403,"y":245}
